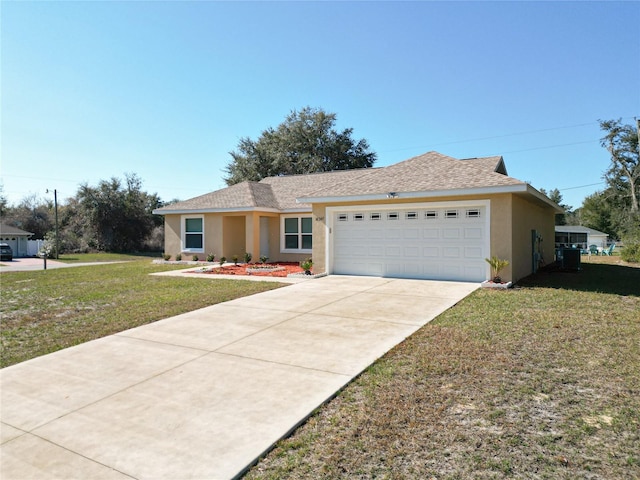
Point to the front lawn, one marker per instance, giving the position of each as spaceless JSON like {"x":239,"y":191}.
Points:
{"x":542,"y":381}
{"x":44,"y":311}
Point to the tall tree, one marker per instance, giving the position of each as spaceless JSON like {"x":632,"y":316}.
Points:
{"x":305,"y":142}
{"x":116,"y":217}
{"x":623,"y":174}
{"x":555,"y":196}
{"x":32,"y":214}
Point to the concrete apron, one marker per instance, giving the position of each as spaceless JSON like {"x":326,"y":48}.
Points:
{"x":204,"y":394}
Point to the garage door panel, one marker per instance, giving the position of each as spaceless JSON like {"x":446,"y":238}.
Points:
{"x":430,"y":233}
{"x":451,"y":252}
{"x":393,"y":234}
{"x":431,"y":252}
{"x":451,"y":233}
{"x":393,"y":251}
{"x":473,"y":253}
{"x":475,"y":274}
{"x":411,"y":252}
{"x":473,"y":233}
{"x":411,"y":234}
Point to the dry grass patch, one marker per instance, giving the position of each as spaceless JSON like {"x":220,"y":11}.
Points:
{"x":538,"y":382}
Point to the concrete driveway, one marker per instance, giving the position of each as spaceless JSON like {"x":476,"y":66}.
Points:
{"x":202,"y":395}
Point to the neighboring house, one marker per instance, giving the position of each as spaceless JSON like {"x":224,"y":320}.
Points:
{"x":16,"y":238}
{"x":432,"y":216}
{"x":581,"y":237}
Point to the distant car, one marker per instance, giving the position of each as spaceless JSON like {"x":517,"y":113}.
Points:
{"x":5,"y":252}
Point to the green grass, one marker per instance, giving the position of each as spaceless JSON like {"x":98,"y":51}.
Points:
{"x":104,"y":257}
{"x":44,"y":311}
{"x":541,"y":381}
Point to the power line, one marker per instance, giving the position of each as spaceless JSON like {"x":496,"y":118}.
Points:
{"x":549,"y":146}
{"x":515,"y":134}
{"x":494,"y":136}
{"x":581,"y":186}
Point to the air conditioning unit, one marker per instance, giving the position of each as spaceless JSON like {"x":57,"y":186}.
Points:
{"x":570,"y":259}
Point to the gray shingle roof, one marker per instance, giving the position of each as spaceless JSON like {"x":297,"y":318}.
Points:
{"x":11,"y":230}
{"x":428,"y":172}
{"x":287,"y":188}
{"x":431,"y":171}
{"x":245,"y":195}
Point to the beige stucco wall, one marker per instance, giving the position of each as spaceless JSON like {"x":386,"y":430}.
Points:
{"x":172,"y":234}
{"x":527,"y":216}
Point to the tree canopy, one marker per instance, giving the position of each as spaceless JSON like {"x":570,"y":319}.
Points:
{"x":623,"y":174}
{"x":306,"y":142}
{"x":616,"y":209}
{"x":112,"y":216}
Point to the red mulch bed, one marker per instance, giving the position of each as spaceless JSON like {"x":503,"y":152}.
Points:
{"x":241,"y":269}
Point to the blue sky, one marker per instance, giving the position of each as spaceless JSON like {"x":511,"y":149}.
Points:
{"x":93,"y":90}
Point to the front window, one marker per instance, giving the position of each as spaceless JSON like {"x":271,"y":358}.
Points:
{"x":297,"y":233}
{"x":193,"y":240}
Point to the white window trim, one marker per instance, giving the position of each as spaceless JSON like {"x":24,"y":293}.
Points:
{"x":282,"y":235}
{"x":183,"y":234}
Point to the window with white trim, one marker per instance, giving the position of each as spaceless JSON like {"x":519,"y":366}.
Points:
{"x":473,"y":213}
{"x":297,"y":234}
{"x":451,"y":214}
{"x":193,"y":234}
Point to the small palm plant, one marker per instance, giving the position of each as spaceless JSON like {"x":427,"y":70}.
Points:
{"x":306,"y":266}
{"x":497,"y":265}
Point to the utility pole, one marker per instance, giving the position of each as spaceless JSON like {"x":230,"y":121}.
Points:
{"x":55,"y":206}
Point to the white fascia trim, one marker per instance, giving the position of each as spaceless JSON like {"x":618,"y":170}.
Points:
{"x":295,"y":210}
{"x":425,"y":194}
{"x":188,"y":211}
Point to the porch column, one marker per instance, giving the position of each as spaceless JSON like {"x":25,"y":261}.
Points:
{"x":252,"y":235}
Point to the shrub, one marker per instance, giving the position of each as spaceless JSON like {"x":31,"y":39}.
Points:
{"x":195,"y":258}
{"x":211,"y":257}
{"x":247,"y":257}
{"x":306,"y":265}
{"x":497,"y":264}
{"x":166,"y":256}
{"x":222,"y":260}
{"x":178,"y":257}
{"x":235,"y":259}
{"x":264,"y":259}
{"x":631,"y":251}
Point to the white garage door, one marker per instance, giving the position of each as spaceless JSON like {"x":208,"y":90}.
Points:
{"x":444,"y":243}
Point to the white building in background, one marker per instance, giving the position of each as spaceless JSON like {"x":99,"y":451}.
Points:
{"x":581,"y":237}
